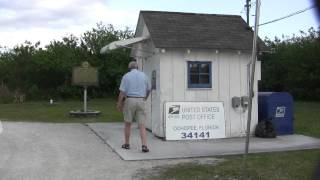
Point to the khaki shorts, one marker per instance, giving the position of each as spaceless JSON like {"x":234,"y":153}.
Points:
{"x":134,"y":109}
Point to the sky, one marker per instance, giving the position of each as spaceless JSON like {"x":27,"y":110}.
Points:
{"x":47,"y":20}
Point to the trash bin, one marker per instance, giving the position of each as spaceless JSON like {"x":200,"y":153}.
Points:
{"x":277,"y":107}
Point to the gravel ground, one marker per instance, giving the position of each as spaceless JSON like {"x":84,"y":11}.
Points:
{"x":68,"y":151}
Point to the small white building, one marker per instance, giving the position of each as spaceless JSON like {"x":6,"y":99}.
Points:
{"x":197,"y":58}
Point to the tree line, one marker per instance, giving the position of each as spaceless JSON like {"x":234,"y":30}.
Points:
{"x":43,"y":73}
{"x":292,"y":65}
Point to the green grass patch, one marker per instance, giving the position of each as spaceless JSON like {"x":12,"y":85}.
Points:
{"x":296,"y":165}
{"x":307,"y":118}
{"x":59,"y":113}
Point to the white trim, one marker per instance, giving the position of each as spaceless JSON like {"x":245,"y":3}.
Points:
{"x":121,"y":43}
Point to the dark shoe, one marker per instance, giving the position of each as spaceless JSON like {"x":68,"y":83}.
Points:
{"x":145,"y":149}
{"x":125,"y":146}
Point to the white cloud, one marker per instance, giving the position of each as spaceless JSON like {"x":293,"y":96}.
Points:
{"x":115,"y":17}
{"x":46,"y":20}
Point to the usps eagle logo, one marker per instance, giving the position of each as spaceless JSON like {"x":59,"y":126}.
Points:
{"x":174,"y":109}
{"x":280,"y":111}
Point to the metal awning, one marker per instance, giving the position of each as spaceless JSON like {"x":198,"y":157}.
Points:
{"x":121,"y":43}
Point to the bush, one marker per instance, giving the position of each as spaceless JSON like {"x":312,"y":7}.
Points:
{"x":69,"y":92}
{"x":5,"y":95}
{"x":33,"y":92}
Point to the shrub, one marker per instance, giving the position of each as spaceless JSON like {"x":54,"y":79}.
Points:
{"x":5,"y":95}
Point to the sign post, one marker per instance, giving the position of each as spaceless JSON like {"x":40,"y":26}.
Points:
{"x":85,"y":98}
{"x":85,"y":76}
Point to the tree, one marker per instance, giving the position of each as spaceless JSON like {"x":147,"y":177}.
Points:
{"x":46,"y":72}
{"x":112,"y":65}
{"x":293,"y":65}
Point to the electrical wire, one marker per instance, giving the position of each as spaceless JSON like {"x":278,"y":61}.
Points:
{"x":289,"y":15}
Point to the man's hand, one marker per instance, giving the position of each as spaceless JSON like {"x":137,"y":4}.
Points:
{"x":148,"y":93}
{"x":120,"y":106}
{"x":120,"y":102}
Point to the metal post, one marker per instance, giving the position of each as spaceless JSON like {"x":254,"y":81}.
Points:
{"x":248,"y":10}
{"x":85,"y":99}
{"x":253,"y":67}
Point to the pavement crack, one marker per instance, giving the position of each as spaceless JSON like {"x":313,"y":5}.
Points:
{"x":99,"y":136}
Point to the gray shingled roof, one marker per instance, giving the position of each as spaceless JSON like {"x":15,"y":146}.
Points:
{"x":205,"y":31}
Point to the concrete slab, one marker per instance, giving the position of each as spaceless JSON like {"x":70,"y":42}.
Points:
{"x":68,"y":151}
{"x":112,"y":134}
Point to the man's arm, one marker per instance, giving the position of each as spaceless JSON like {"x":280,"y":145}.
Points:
{"x":147,"y":95}
{"x":148,"y":90}
{"x":121,"y":98}
{"x":122,"y":94}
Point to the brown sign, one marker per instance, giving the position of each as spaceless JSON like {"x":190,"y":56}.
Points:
{"x":85,"y":75}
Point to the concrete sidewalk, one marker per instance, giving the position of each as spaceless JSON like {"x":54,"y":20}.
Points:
{"x":67,"y":151}
{"x":112,"y":134}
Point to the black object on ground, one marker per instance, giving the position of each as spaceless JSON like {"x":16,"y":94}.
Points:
{"x":265,"y":129}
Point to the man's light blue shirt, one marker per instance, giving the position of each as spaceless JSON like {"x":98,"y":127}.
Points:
{"x":135,"y":84}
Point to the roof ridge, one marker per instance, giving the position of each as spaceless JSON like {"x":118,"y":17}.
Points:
{"x":187,"y":13}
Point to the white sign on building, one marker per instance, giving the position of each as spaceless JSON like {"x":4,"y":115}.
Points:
{"x":194,"y":120}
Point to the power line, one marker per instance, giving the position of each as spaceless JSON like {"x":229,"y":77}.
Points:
{"x":287,"y":16}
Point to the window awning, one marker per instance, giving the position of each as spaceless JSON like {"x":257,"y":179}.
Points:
{"x":121,"y":43}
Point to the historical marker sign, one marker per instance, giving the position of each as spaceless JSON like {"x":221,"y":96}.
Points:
{"x":85,"y":75}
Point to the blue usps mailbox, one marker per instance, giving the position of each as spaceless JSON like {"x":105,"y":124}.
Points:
{"x":278,"y":108}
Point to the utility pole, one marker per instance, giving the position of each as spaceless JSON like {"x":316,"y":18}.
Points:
{"x":253,"y":67}
{"x":248,"y":10}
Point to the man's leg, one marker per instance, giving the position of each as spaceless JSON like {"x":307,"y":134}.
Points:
{"x":141,"y":116}
{"x":127,"y":115}
{"x":127,"y":131}
{"x":143,"y":134}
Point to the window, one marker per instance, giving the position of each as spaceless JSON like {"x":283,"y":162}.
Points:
{"x":199,"y":74}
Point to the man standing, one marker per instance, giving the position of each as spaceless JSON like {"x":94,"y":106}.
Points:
{"x":134,"y":91}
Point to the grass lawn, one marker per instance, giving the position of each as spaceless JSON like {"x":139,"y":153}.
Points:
{"x":307,"y":118}
{"x":59,"y":113}
{"x":282,"y":165}
{"x":295,"y":165}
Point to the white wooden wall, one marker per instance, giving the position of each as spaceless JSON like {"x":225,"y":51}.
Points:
{"x":229,"y":79}
{"x":153,"y":104}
